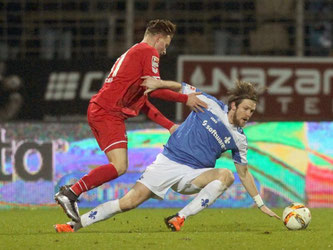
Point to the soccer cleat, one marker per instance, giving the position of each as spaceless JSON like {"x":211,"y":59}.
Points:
{"x":68,"y":201}
{"x":174,"y":222}
{"x":63,"y":228}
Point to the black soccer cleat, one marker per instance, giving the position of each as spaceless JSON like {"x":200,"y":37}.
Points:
{"x":68,"y":201}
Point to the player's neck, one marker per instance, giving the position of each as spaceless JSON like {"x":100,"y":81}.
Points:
{"x":230,"y":117}
{"x":150,"y":40}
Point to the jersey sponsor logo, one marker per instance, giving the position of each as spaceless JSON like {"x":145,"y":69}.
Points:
{"x":154,"y":64}
{"x":213,"y":119}
{"x":214,"y":133}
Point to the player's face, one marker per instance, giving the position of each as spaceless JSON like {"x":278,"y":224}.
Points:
{"x":243,"y":112}
{"x":162,"y":43}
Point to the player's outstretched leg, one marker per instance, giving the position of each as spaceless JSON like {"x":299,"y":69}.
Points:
{"x":68,"y":195}
{"x":68,"y":201}
{"x":205,"y":197}
{"x":222,"y":179}
{"x":137,"y":195}
{"x":99,"y":213}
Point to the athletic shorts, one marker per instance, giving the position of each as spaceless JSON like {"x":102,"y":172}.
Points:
{"x":164,"y":173}
{"x":109,"y":129}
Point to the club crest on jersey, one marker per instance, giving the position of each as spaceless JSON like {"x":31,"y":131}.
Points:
{"x":154,"y":64}
{"x":227,"y":140}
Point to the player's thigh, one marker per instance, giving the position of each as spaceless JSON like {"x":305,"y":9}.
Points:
{"x":195,"y":180}
{"x":137,"y":195}
{"x":185,"y":185}
{"x":222,"y":174}
{"x":110,"y":133}
{"x":108,"y":128}
{"x":161,"y":175}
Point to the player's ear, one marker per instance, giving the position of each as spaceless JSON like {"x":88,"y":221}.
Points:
{"x":233,"y":106}
{"x":158,"y":37}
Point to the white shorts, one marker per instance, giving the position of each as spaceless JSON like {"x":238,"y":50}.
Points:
{"x":164,"y":173}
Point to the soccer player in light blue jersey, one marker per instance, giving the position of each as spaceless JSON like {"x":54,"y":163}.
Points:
{"x":187,"y":162}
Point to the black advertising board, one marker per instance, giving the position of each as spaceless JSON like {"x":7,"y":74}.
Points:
{"x":57,"y":90}
{"x":61,"y":90}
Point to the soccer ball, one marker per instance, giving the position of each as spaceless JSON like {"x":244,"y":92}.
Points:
{"x":296,"y":216}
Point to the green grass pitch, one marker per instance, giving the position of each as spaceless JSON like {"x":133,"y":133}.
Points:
{"x":145,"y":229}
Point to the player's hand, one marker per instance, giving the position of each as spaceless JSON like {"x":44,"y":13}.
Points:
{"x":150,"y":83}
{"x":173,"y":128}
{"x":194,"y":103}
{"x":269,"y":212}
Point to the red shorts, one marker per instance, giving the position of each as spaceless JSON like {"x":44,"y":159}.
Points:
{"x":109,"y":129}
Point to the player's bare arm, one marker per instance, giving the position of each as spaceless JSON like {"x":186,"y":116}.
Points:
{"x":152,"y":83}
{"x":248,"y":182}
{"x":166,"y":93}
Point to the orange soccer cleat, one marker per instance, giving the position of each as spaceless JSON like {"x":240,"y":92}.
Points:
{"x":63,"y":228}
{"x":174,"y":222}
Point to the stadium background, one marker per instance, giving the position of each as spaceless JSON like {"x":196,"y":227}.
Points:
{"x":55,"y":54}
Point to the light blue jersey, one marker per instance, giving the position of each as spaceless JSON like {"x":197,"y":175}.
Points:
{"x":204,"y":136}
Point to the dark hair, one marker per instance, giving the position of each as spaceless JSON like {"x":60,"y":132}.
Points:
{"x":242,"y":90}
{"x":159,"y":26}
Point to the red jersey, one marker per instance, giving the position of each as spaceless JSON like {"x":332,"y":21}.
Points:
{"x":121,"y":91}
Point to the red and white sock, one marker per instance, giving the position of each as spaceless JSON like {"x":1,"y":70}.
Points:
{"x":95,"y":178}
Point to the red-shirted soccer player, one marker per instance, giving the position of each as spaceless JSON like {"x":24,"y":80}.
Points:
{"x":123,"y":95}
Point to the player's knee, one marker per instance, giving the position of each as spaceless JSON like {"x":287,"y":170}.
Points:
{"x":122,"y":170}
{"x":226,"y":176}
{"x":119,"y":161}
{"x":128,"y":204}
{"x":230,"y":178}
{"x":121,"y":167}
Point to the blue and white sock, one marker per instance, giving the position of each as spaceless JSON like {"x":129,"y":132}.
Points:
{"x":101,"y":212}
{"x":205,"y":198}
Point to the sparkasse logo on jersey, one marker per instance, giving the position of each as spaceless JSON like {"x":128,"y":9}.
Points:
{"x":154,"y":64}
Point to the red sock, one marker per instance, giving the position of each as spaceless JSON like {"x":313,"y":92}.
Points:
{"x":95,"y":178}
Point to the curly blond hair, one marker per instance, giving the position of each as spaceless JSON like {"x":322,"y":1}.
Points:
{"x":242,"y":90}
